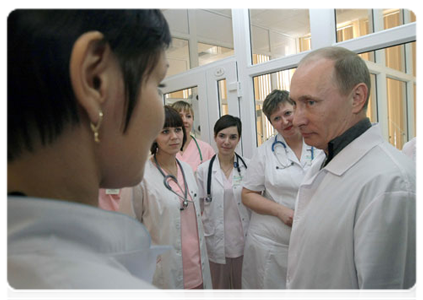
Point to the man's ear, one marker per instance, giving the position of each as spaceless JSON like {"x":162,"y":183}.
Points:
{"x":88,"y":66}
{"x":359,"y":97}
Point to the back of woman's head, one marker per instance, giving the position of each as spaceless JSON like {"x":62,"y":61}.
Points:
{"x":41,"y":101}
{"x":227,"y":121}
{"x":172,"y":119}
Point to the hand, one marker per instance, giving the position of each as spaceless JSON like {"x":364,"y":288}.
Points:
{"x":286,"y":215}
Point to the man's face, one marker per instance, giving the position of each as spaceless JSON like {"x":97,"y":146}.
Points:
{"x":321,"y":112}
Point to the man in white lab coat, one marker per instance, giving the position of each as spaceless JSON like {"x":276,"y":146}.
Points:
{"x":355,"y":219}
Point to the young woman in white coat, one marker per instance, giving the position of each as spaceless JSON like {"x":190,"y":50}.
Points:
{"x":166,"y":202}
{"x":269,"y":190}
{"x":225,"y":218}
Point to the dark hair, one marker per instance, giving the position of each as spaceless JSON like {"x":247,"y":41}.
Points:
{"x":41,"y":100}
{"x":227,"y":121}
{"x":349,"y":70}
{"x":272,"y":101}
{"x":172,"y":119}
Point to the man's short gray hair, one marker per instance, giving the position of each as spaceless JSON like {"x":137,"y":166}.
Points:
{"x":349,"y":70}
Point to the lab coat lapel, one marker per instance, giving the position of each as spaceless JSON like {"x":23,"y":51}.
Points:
{"x":348,"y":157}
{"x":216,"y":171}
{"x":289,"y":155}
{"x":352,"y":153}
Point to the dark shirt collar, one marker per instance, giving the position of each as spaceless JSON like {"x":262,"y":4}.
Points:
{"x":337,"y":144}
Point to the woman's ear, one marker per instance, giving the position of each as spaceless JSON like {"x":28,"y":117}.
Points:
{"x":359,"y":97}
{"x":88,"y":72}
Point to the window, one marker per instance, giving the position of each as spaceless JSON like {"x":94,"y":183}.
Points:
{"x":279,"y":32}
{"x":352,"y":23}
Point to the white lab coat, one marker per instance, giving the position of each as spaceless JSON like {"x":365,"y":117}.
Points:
{"x":64,"y":245}
{"x":159,"y":210}
{"x":213,"y":214}
{"x":355,"y":220}
{"x":266,"y":247}
{"x":412,"y":150}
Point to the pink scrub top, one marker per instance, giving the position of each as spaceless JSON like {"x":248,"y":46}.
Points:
{"x":191,"y":155}
{"x":191,"y":257}
{"x":109,"y":199}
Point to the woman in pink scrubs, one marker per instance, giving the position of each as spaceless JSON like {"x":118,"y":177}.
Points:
{"x":195,"y":151}
{"x":109,"y":199}
{"x":167,"y":203}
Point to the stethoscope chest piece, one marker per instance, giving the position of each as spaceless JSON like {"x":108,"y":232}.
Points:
{"x":167,"y":178}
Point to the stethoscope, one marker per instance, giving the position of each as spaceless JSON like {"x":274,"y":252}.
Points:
{"x":170,"y":177}
{"x":209,"y":198}
{"x":283,"y":166}
{"x":198,"y":147}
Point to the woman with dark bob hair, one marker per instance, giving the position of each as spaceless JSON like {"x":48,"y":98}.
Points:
{"x":81,"y":88}
{"x":225,"y":218}
{"x":166,"y":202}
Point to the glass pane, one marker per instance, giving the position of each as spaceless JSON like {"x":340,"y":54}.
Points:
{"x":369,"y":56}
{"x":213,"y":28}
{"x":416,"y":110}
{"x":178,"y":57}
{"x":223,"y":97}
{"x":209,"y":53}
{"x":191,"y":96}
{"x":352,"y":23}
{"x":207,"y":32}
{"x":279,"y":32}
{"x":394,"y":58}
{"x":415,"y":49}
{"x":263,"y":85}
{"x":392,"y":18}
{"x":397,"y":112}
{"x":372,"y":113}
{"x":177,"y":20}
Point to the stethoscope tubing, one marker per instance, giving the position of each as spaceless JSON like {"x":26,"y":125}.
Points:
{"x":209,"y":198}
{"x":276,"y":142}
{"x":167,"y":178}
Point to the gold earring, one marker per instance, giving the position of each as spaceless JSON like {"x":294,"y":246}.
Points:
{"x":95,"y":128}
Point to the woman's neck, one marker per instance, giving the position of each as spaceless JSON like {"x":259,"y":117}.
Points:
{"x":226,"y":163}
{"x":226,"y":160}
{"x":189,"y":138}
{"x":41,"y":174}
{"x":167,"y":162}
{"x":295,"y":142}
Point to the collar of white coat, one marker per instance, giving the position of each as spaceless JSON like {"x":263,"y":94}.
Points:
{"x":216,"y":168}
{"x":290,"y":154}
{"x":104,"y":232}
{"x":352,"y":153}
